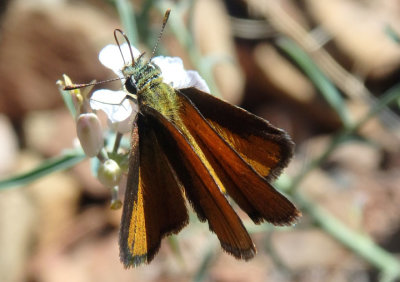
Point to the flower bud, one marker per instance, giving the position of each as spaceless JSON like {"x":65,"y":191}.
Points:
{"x":90,"y":134}
{"x":109,"y":173}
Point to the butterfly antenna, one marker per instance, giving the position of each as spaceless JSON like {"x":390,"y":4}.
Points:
{"x":166,"y":16}
{"x":119,"y":45}
{"x":117,"y":30}
{"x":83,"y":85}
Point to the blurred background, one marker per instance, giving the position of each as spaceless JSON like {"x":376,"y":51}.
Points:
{"x":325,"y":71}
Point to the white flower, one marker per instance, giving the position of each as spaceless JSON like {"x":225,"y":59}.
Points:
{"x":174,"y":74}
{"x":172,"y":70}
{"x":115,"y":104}
{"x":110,"y":57}
{"x":117,"y":108}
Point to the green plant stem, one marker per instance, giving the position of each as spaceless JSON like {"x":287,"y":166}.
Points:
{"x":117,"y":142}
{"x":208,"y":259}
{"x":390,"y":96}
{"x":127,"y":16}
{"x":321,"y":82}
{"x":176,"y":249}
{"x":49,"y":166}
{"x":102,"y":156}
{"x":315,"y":163}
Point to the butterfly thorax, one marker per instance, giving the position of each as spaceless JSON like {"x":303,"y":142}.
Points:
{"x":145,"y":81}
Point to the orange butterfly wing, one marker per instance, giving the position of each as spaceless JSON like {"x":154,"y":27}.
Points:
{"x":201,"y":189}
{"x":245,"y":152}
{"x":154,"y":205}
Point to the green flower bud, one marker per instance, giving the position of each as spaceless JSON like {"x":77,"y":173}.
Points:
{"x":109,"y":173}
{"x":90,"y":134}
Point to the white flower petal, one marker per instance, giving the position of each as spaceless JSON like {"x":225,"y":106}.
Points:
{"x":110,"y":56}
{"x":113,"y":103}
{"x":172,"y":70}
{"x":122,"y":112}
{"x":174,"y":74}
{"x":124,"y":126}
{"x":195,"y":80}
{"x":106,"y":96}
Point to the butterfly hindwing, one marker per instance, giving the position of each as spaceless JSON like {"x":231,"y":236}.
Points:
{"x":154,"y":205}
{"x":266,"y":148}
{"x":242,"y":181}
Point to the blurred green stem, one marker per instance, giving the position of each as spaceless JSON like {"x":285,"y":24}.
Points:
{"x":317,"y":77}
{"x":67,"y":160}
{"x":127,"y":16}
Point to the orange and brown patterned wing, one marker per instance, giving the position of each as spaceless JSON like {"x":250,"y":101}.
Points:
{"x":201,"y":188}
{"x":241,"y":148}
{"x":266,"y":148}
{"x":154,"y":205}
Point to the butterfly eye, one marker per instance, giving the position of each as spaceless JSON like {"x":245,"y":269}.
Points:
{"x":130,"y":86}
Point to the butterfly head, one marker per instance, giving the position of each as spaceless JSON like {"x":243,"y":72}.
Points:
{"x":139,"y":74}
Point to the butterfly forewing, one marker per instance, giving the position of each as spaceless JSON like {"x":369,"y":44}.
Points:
{"x":201,"y":188}
{"x":154,"y":205}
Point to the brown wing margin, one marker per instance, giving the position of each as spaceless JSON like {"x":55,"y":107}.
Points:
{"x":202,"y":190}
{"x":154,"y":205}
{"x":266,"y":148}
{"x":253,"y":193}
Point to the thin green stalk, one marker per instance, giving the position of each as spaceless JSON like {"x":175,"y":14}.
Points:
{"x":208,"y":259}
{"x":117,"y":142}
{"x":389,"y":97}
{"x":334,"y":143}
{"x":321,"y":82}
{"x":173,"y":244}
{"x":49,"y":166}
{"x":127,"y":16}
